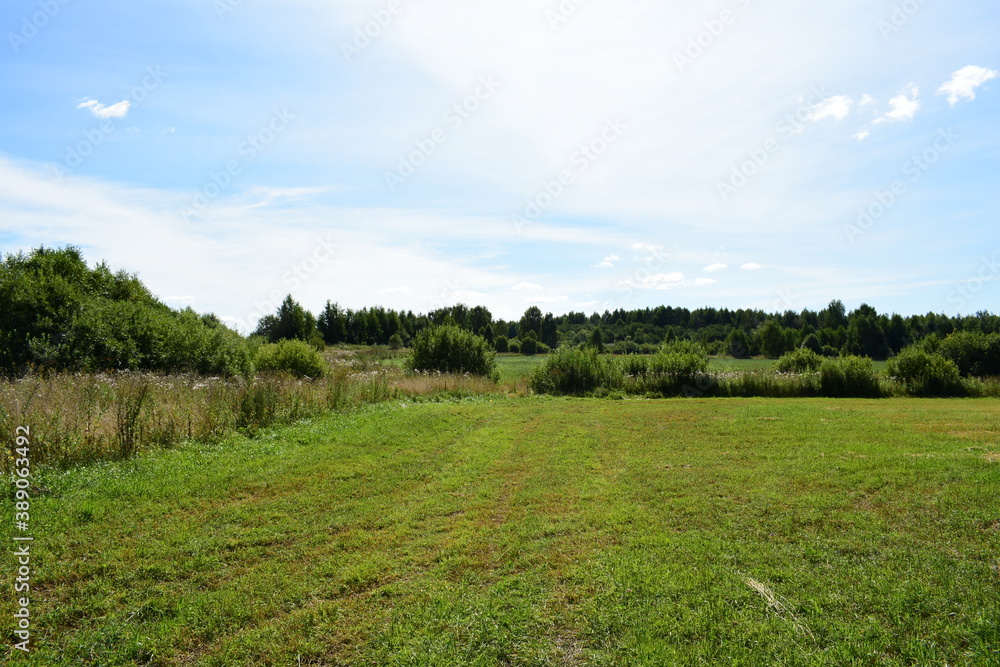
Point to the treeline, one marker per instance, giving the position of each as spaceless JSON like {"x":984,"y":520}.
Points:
{"x":739,"y":333}
{"x":56,"y":313}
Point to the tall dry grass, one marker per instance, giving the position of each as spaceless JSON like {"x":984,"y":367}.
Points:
{"x":80,"y":418}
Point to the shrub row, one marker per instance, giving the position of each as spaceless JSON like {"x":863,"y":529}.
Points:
{"x":681,"y":369}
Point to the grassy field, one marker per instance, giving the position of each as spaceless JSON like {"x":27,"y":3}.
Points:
{"x":536,"y":531}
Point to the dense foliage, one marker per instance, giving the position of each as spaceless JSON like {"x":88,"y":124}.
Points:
{"x":925,"y":373}
{"x":738,"y":333}
{"x":58,"y":314}
{"x":292,"y":356}
{"x":450,"y":349}
{"x":802,"y":360}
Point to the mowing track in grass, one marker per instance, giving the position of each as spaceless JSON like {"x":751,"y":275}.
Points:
{"x":537,"y":531}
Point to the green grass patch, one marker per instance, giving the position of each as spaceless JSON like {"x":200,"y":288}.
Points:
{"x":536,"y":531}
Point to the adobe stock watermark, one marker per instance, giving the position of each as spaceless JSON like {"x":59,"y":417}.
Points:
{"x":293,"y":276}
{"x":22,"y":542}
{"x":455,"y":116}
{"x":580,"y":161}
{"x":899,"y":17}
{"x":712,"y":30}
{"x":225,"y":7}
{"x":914,"y":169}
{"x":92,"y":139}
{"x":789,"y":125}
{"x":366,"y":34}
{"x":562,"y":12}
{"x":451,"y":295}
{"x":967,"y":290}
{"x":646,"y":274}
{"x":246,"y":152}
{"x":35,"y":23}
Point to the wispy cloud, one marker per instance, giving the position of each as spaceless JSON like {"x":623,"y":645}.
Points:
{"x":964,"y":82}
{"x":715,"y":267}
{"x":837,"y":107}
{"x":118,"y":110}
{"x":751,"y":266}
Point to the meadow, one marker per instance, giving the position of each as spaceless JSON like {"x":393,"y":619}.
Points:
{"x":507,"y":530}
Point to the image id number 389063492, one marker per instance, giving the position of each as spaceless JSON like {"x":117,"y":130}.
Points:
{"x":22,"y":537}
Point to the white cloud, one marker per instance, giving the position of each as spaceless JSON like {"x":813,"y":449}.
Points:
{"x":715,"y":267}
{"x":119,"y":110}
{"x":751,"y":266}
{"x":546,"y":299}
{"x":904,"y":106}
{"x":964,"y":82}
{"x":394,"y":290}
{"x":866,"y":99}
{"x":526,"y":286}
{"x":862,"y":135}
{"x":663,"y":280}
{"x":704,"y":281}
{"x":607,"y":262}
{"x":837,"y":107}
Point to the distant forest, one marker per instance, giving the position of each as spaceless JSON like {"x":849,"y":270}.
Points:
{"x":738,"y":333}
{"x":57,"y":313}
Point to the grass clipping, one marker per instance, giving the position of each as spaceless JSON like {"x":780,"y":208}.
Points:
{"x":778,"y":606}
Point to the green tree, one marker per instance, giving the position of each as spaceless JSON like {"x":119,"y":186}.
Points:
{"x":529,"y":345}
{"x":597,"y":340}
{"x":291,"y":322}
{"x":530,"y":321}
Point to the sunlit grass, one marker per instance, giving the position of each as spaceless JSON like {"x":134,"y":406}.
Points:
{"x":537,"y":531}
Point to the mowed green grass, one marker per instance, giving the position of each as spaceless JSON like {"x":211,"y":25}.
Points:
{"x":537,"y":531}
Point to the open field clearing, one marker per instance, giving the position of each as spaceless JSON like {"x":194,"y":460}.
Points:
{"x":537,"y":531}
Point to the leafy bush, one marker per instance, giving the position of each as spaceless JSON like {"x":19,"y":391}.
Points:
{"x":395,"y":342}
{"x":975,"y":354}
{"x":849,"y":377}
{"x":59,"y":314}
{"x":811,"y":342}
{"x":529,"y":346}
{"x":926,"y":374}
{"x":514,"y":347}
{"x":292,"y":356}
{"x":802,"y":360}
{"x":450,"y":349}
{"x":678,"y":366}
{"x":574,"y":372}
{"x":625,"y":347}
{"x":501,"y":344}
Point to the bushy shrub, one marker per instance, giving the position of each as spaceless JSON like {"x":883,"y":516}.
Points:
{"x":925,"y":374}
{"x":450,"y":349}
{"x":802,"y":360}
{"x":292,"y":356}
{"x":678,"y":366}
{"x":625,"y":347}
{"x":975,"y":354}
{"x":529,"y":346}
{"x":501,"y":344}
{"x":811,"y":342}
{"x":395,"y":342}
{"x":849,"y":377}
{"x":514,"y":347}
{"x":574,"y":372}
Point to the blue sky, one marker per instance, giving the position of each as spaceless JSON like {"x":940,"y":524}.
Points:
{"x":576,"y":155}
